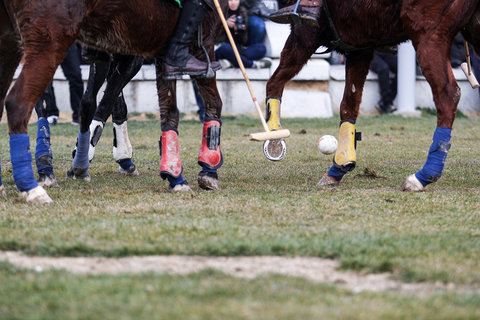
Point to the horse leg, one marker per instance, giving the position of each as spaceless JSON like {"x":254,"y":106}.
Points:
{"x":20,"y":102}
{"x":433,"y":49}
{"x":121,"y":71}
{"x":122,"y":148}
{"x":170,"y":164}
{"x":10,"y":55}
{"x":292,"y":60}
{"x":126,"y":67}
{"x":84,"y":151}
{"x":43,"y":151}
{"x":344,"y":160}
{"x":99,"y":66}
{"x":210,"y":156}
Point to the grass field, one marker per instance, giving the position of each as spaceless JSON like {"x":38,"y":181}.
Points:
{"x":263,"y":208}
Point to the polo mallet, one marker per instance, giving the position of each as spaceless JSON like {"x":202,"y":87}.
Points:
{"x":467,"y":69}
{"x":260,"y":136}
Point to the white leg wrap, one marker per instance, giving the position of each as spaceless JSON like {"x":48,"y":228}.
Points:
{"x":122,"y":149}
{"x":2,"y":191}
{"x":96,"y":128}
{"x":37,"y":195}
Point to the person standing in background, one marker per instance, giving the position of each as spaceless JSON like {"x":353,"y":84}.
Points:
{"x":383,"y":64}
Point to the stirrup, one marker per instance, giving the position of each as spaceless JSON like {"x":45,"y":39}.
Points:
{"x":304,"y":12}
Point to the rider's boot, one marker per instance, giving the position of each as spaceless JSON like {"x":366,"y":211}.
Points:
{"x":178,"y":60}
{"x":304,"y":12}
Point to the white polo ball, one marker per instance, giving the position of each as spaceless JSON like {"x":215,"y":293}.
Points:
{"x":327,"y":144}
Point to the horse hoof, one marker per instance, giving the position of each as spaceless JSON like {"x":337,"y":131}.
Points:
{"x":78,"y":174}
{"x":132,"y":171}
{"x":47,"y":181}
{"x":327,"y":181}
{"x":182,"y":187}
{"x":412,"y":184}
{"x":208,"y":180}
{"x":36,"y":195}
{"x":2,"y":191}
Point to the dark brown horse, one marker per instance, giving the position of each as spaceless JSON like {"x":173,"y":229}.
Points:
{"x":43,"y":30}
{"x":356,"y":28}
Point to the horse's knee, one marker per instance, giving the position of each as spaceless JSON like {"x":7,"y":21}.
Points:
{"x":17,"y":113}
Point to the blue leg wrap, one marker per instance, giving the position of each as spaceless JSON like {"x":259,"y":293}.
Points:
{"x":437,"y":154}
{"x":21,"y":158}
{"x":125,"y":163}
{"x":175,"y":181}
{"x":205,"y":169}
{"x":43,"y":152}
{"x":81,"y":156}
{"x":336,"y":173}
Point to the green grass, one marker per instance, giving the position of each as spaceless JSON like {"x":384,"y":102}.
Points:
{"x":209,"y":295}
{"x":263,"y":208}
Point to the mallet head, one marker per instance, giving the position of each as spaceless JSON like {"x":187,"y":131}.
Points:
{"x":269,"y":135}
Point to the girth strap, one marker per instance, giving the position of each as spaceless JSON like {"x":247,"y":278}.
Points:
{"x":337,"y":44}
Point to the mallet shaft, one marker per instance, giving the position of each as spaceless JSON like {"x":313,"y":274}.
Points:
{"x":240,"y":63}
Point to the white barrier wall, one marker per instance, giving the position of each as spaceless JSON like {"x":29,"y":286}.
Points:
{"x":315,"y":92}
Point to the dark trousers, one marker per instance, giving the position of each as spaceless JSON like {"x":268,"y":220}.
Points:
{"x":256,"y":30}
{"x":71,"y":69}
{"x":199,"y":100}
{"x":382,"y":65}
{"x":248,"y":54}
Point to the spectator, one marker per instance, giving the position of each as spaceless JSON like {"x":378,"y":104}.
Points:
{"x":71,"y":68}
{"x":251,"y":55}
{"x":257,"y":12}
{"x":336,"y":58}
{"x":383,"y":64}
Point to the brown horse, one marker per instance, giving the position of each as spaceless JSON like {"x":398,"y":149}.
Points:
{"x":42,"y":31}
{"x":356,"y":28}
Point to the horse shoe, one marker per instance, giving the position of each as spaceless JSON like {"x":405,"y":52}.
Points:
{"x":275,"y":150}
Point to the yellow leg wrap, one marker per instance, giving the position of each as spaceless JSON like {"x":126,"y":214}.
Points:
{"x":273,"y":114}
{"x":346,"y":153}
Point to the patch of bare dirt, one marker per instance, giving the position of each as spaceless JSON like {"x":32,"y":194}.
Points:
{"x":314,"y":269}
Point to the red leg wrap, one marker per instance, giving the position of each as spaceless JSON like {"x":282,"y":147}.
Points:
{"x":210,"y":155}
{"x":169,"y":151}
